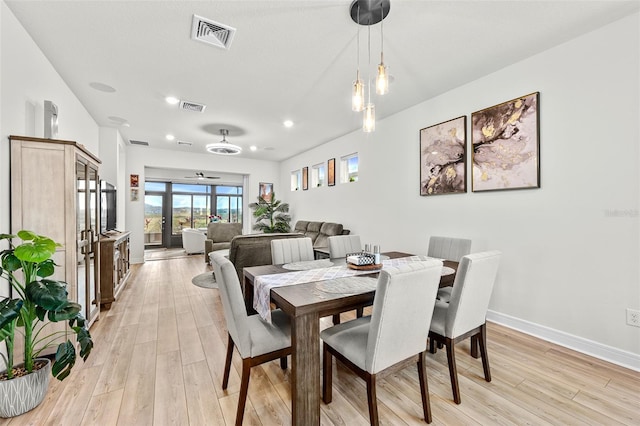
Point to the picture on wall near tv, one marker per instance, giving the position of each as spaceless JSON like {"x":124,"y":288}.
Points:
{"x":107,"y":207}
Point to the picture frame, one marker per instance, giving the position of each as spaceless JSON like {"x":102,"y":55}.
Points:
{"x":265,"y":190}
{"x":133,"y":181}
{"x":505,"y":141}
{"x":305,"y":178}
{"x":134,"y":194}
{"x":331,"y":172}
{"x":443,"y":157}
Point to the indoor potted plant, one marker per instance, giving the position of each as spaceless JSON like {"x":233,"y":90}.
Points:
{"x":26,"y":268}
{"x":272,"y":216}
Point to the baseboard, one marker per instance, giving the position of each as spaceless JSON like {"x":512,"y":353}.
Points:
{"x":580,"y":344}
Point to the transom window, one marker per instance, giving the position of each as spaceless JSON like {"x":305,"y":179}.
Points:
{"x":318,"y":177}
{"x":349,"y":168}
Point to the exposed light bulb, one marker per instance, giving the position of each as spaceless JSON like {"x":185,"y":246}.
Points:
{"x":382,"y":81}
{"x":357,"y":97}
{"x":369,"y":121}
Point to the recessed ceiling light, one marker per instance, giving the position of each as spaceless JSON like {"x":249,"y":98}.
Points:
{"x":253,"y":148}
{"x":170,"y":137}
{"x":102,"y":87}
{"x":172,"y":100}
{"x":288,"y":123}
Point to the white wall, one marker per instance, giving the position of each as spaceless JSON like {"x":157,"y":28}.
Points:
{"x":27,"y":79}
{"x":139,"y":157}
{"x":571,"y":248}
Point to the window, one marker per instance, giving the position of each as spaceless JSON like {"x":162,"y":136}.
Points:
{"x":318,"y":176}
{"x":296,"y":180}
{"x":349,"y":168}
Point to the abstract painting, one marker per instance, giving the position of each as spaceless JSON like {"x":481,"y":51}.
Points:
{"x":506,"y":145}
{"x":443,"y":157}
{"x":331,"y":171}
{"x":305,"y":178}
{"x":265,"y":190}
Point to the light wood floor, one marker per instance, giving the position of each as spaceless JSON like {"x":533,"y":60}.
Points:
{"x":159,"y":354}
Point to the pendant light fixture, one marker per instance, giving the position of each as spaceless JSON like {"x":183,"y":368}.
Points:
{"x":357,"y":97}
{"x":382,"y":81}
{"x":224,"y":147}
{"x":369,"y":118}
{"x":369,"y":12}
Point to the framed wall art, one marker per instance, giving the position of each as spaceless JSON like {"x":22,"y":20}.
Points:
{"x":331,"y":172}
{"x":265,"y":190}
{"x":443,"y":159}
{"x":506,"y":145}
{"x":305,"y":178}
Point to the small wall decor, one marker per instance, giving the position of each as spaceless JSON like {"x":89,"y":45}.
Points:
{"x":331,"y":172}
{"x":134,"y":194}
{"x":133,"y":181}
{"x":305,"y":178}
{"x":265,"y":191}
{"x":506,"y":145}
{"x":443,"y":159}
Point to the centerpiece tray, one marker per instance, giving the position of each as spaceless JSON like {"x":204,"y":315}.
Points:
{"x":370,"y":267}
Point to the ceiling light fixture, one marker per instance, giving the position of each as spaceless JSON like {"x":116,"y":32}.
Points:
{"x":170,"y":137}
{"x":253,"y":148}
{"x":370,"y":12}
{"x":288,"y":123}
{"x":172,"y":100}
{"x":223,"y":147}
{"x":357,"y":96}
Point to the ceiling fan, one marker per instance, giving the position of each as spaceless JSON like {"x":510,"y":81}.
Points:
{"x":201,"y":176}
{"x":224,"y":147}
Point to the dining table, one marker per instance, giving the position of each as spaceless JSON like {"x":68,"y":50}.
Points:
{"x":306,"y":303}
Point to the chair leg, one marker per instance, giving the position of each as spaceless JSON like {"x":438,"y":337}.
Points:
{"x":424,"y":388}
{"x":227,"y":363}
{"x":359,"y":312}
{"x":482,"y":341}
{"x":453,"y":371}
{"x":474,"y":347}
{"x":283,"y":363}
{"x":432,"y":345}
{"x":373,"y":400}
{"x":244,"y":389}
{"x":327,"y":366}
{"x":336,"y":319}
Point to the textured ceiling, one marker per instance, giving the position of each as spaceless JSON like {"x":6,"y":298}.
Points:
{"x":292,"y":59}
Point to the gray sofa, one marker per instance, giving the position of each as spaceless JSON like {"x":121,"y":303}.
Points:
{"x":253,"y":250}
{"x":219,"y":236}
{"x":319,"y":231}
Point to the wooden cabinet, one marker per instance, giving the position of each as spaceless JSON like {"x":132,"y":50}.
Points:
{"x":55,"y":192}
{"x":114,"y":266}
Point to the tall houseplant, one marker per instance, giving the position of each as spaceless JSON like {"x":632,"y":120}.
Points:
{"x":272,"y":216}
{"x":26,"y":268}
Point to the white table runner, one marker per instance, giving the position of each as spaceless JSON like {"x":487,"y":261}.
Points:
{"x":263,"y":284}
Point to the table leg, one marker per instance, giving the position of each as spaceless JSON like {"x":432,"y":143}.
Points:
{"x":305,"y":383}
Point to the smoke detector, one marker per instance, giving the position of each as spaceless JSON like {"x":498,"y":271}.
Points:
{"x":223,"y":147}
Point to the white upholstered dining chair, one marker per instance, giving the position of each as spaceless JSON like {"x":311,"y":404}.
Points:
{"x":449,"y":249}
{"x":286,"y":250}
{"x":396,"y":331}
{"x":257,"y":341}
{"x":465,"y":313}
{"x":341,"y":245}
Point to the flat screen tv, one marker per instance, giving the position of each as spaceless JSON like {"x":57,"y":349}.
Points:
{"x":107,"y":206}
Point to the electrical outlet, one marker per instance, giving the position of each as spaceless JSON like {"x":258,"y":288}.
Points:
{"x":633,"y":317}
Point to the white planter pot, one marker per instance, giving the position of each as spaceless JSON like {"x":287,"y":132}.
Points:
{"x":22,"y":394}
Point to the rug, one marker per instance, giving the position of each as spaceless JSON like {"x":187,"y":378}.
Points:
{"x":206,"y":280}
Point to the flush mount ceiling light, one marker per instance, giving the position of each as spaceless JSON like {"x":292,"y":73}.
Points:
{"x":223,"y":147}
{"x":172,"y":100}
{"x":369,"y":12}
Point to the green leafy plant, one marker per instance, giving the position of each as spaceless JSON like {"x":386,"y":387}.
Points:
{"x":272,"y":216}
{"x":26,"y":268}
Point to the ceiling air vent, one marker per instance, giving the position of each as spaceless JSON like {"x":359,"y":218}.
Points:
{"x":143,"y":143}
{"x":212,"y":32}
{"x":184,"y":143}
{"x":192,"y":106}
